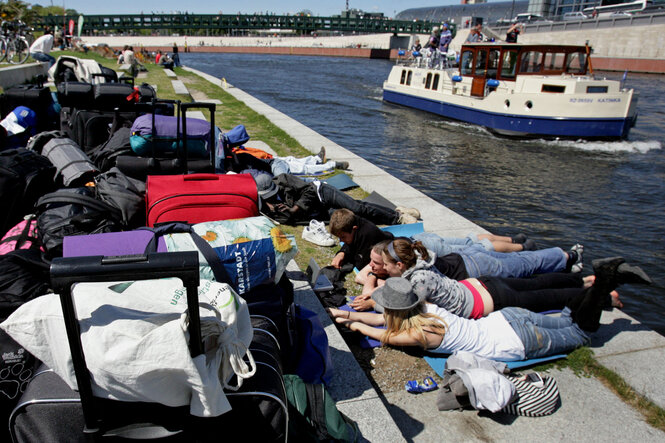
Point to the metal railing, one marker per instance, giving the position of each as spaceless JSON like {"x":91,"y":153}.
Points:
{"x":214,"y":24}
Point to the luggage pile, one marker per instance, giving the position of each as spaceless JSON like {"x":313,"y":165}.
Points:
{"x":142,"y":293}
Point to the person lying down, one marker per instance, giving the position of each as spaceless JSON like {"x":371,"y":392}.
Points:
{"x":509,"y":334}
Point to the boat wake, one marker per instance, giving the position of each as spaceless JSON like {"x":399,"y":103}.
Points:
{"x":640,"y":147}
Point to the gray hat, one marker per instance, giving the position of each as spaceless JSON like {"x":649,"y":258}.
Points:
{"x":396,"y":294}
{"x":266,"y":187}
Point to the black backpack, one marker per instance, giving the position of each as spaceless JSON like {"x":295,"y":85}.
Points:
{"x":105,"y":155}
{"x":124,"y":193}
{"x":24,"y":177}
{"x":73,"y":211}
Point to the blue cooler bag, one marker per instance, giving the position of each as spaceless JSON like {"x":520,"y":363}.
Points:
{"x":165,"y":138}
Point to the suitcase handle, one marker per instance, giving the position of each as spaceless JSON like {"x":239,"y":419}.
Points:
{"x":200,"y":177}
{"x":210,"y":107}
{"x":70,"y":270}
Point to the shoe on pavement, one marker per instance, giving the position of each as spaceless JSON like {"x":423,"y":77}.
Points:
{"x":578,"y":265}
{"x":411,"y":211}
{"x":529,"y":245}
{"x":322,"y":154}
{"x":342,"y":165}
{"x":519,"y":238}
{"x":318,"y":237}
{"x":406,"y":219}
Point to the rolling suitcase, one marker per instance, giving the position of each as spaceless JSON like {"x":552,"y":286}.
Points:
{"x":197,"y":198}
{"x":50,"y":411}
{"x":177,"y":161}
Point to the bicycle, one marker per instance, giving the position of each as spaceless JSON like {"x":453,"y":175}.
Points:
{"x":17,"y":46}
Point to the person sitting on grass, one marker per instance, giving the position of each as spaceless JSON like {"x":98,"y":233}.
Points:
{"x":471,"y":298}
{"x":510,"y":334}
{"x":289,"y":200}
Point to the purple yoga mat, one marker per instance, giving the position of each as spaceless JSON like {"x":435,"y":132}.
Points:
{"x":109,"y":244}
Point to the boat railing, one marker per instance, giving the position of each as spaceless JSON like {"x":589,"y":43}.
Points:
{"x":427,"y":59}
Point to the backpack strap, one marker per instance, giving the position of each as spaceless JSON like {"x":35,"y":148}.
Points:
{"x":316,"y":399}
{"x":203,"y":246}
{"x":24,"y":236}
{"x":56,"y":197}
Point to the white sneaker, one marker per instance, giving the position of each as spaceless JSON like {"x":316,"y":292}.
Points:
{"x":406,"y":219}
{"x":413,"y":212}
{"x":316,"y":225}
{"x":318,"y":237}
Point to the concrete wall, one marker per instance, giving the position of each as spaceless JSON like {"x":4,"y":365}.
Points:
{"x":16,"y":74}
{"x":639,"y":48}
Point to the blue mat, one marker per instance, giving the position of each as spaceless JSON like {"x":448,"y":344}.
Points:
{"x":341,"y":182}
{"x":438,"y":363}
{"x":405,"y":230}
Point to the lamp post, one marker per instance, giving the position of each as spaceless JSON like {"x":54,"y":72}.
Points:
{"x":512,"y":10}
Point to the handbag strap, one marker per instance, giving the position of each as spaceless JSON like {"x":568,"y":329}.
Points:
{"x":203,"y":246}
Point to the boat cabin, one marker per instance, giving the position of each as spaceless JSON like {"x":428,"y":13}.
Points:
{"x":506,"y":61}
{"x":496,"y":61}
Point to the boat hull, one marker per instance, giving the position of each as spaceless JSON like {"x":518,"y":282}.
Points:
{"x":510,"y":124}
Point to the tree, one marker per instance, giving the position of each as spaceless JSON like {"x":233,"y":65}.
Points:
{"x":16,"y":10}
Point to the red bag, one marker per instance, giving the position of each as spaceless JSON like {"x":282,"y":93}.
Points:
{"x":197,"y":198}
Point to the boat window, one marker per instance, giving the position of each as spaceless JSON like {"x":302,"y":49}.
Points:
{"x":435,"y":83}
{"x":408,"y":78}
{"x":428,"y":80}
{"x":554,"y":61}
{"x":481,"y":63}
{"x":508,"y":64}
{"x":403,"y":79}
{"x":493,"y":64}
{"x":532,"y":61}
{"x":466,"y":62}
{"x":576,"y":63}
{"x":596,"y":89}
{"x":553,"y":88}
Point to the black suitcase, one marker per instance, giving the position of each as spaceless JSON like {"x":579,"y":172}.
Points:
{"x":36,"y":97}
{"x":90,"y":128}
{"x":50,"y":411}
{"x":75,"y":94}
{"x":24,"y":177}
{"x":274,"y":302}
{"x":139,"y":167}
{"x":109,"y":96}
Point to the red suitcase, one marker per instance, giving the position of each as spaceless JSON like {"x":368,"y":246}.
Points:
{"x":197,"y":198}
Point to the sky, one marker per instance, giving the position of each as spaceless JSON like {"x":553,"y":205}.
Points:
{"x":320,"y":8}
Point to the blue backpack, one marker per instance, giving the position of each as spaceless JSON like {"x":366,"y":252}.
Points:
{"x":313,"y":360}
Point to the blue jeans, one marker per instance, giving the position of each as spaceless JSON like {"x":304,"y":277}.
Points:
{"x":41,"y":57}
{"x":543,"y":335}
{"x":479,"y":261}
{"x":332,"y":198}
{"x":446,"y":245}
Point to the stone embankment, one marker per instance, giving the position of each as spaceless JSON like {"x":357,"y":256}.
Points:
{"x":638,"y":48}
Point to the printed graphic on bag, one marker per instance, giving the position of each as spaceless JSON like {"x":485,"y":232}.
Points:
{"x":253,"y":250}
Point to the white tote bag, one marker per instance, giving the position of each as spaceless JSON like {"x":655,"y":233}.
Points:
{"x":135,"y":340}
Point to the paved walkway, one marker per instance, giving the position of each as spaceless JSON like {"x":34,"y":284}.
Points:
{"x":589,"y":410}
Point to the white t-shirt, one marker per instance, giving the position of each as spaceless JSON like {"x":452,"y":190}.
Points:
{"x":489,"y":337}
{"x":43,"y":44}
{"x":128,"y":56}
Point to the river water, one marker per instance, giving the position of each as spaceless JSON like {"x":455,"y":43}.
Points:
{"x":609,"y":196}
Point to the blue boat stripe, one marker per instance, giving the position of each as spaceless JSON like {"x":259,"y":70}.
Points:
{"x":518,"y":124}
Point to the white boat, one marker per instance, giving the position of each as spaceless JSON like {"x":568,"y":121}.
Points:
{"x":519,"y":90}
